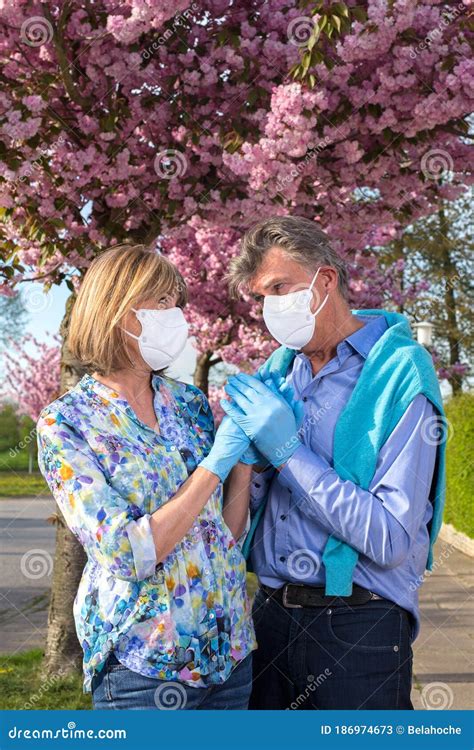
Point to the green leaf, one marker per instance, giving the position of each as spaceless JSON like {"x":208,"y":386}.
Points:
{"x":322,"y":23}
{"x":305,"y":63}
{"x":340,"y":9}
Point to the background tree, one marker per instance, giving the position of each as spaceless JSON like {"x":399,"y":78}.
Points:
{"x":13,"y":315}
{"x":439,"y":250}
{"x":181,"y":125}
{"x":9,"y":426}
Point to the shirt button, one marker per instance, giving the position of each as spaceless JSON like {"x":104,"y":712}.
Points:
{"x":305,"y":398}
{"x":283,"y":517}
{"x":256,"y":484}
{"x":172,"y":447}
{"x":282,"y":559}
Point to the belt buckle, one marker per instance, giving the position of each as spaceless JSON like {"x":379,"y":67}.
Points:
{"x":285,"y":601}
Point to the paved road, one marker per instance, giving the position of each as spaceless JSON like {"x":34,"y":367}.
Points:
{"x":444,"y":651}
{"x":26,"y":560}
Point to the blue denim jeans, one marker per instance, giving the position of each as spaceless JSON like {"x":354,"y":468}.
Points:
{"x":338,"y":657}
{"x":117,"y":687}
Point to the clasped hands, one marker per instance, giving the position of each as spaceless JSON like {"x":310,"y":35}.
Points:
{"x":261,"y":424}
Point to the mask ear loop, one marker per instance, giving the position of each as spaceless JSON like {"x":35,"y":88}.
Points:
{"x":318,"y":310}
{"x":125,"y":330}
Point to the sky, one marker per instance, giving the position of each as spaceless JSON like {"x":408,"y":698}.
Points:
{"x":45,"y":310}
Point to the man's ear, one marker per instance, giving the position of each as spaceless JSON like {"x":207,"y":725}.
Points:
{"x":329,"y":277}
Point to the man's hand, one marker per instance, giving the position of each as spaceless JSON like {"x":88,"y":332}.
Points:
{"x":264,"y":415}
{"x":279,"y":386}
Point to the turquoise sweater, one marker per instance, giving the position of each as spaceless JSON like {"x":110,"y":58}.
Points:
{"x":396,"y":370}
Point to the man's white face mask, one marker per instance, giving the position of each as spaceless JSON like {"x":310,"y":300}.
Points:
{"x":163,"y":336}
{"x":288,"y":317}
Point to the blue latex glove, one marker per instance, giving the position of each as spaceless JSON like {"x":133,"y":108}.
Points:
{"x":264,"y":416}
{"x":230,"y":444}
{"x":278,"y":385}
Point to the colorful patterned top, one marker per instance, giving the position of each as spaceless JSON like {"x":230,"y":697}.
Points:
{"x":187,"y":618}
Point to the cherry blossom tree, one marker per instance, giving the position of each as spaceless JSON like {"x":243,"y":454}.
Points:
{"x":167,"y":124}
{"x":179,"y":125}
{"x":31,"y":373}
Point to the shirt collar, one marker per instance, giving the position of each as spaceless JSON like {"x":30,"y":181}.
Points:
{"x":109,"y":395}
{"x":364,"y":338}
{"x":361,"y":341}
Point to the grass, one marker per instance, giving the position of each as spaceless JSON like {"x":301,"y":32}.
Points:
{"x":16,"y":462}
{"x":14,"y":477}
{"x":13,"y":484}
{"x":22,"y":687}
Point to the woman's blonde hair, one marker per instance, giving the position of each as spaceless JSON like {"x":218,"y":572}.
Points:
{"x":116,"y":281}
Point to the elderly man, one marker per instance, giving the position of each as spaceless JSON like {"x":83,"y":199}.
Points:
{"x":351,"y":500}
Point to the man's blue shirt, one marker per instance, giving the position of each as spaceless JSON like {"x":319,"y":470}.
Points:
{"x":308,"y":501}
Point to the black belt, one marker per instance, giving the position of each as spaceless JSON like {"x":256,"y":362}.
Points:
{"x":294,"y":595}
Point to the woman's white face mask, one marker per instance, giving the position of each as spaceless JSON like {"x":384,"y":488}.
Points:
{"x":163,"y":336}
{"x":288,"y":317}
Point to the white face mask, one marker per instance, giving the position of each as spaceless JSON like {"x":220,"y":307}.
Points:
{"x":163,"y":336}
{"x":288,"y":317}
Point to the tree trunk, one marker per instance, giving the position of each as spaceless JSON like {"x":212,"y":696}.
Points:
{"x":63,"y":652}
{"x":201,"y":373}
{"x":452,"y":331}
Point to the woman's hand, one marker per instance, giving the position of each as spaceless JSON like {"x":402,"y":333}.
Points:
{"x":230,"y":444}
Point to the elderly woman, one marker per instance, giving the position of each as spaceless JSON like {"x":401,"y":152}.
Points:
{"x":161,"y":612}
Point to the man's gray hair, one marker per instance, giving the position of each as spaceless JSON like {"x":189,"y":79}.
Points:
{"x":300,"y":238}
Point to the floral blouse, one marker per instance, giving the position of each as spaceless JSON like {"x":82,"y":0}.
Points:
{"x":187,"y":618}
